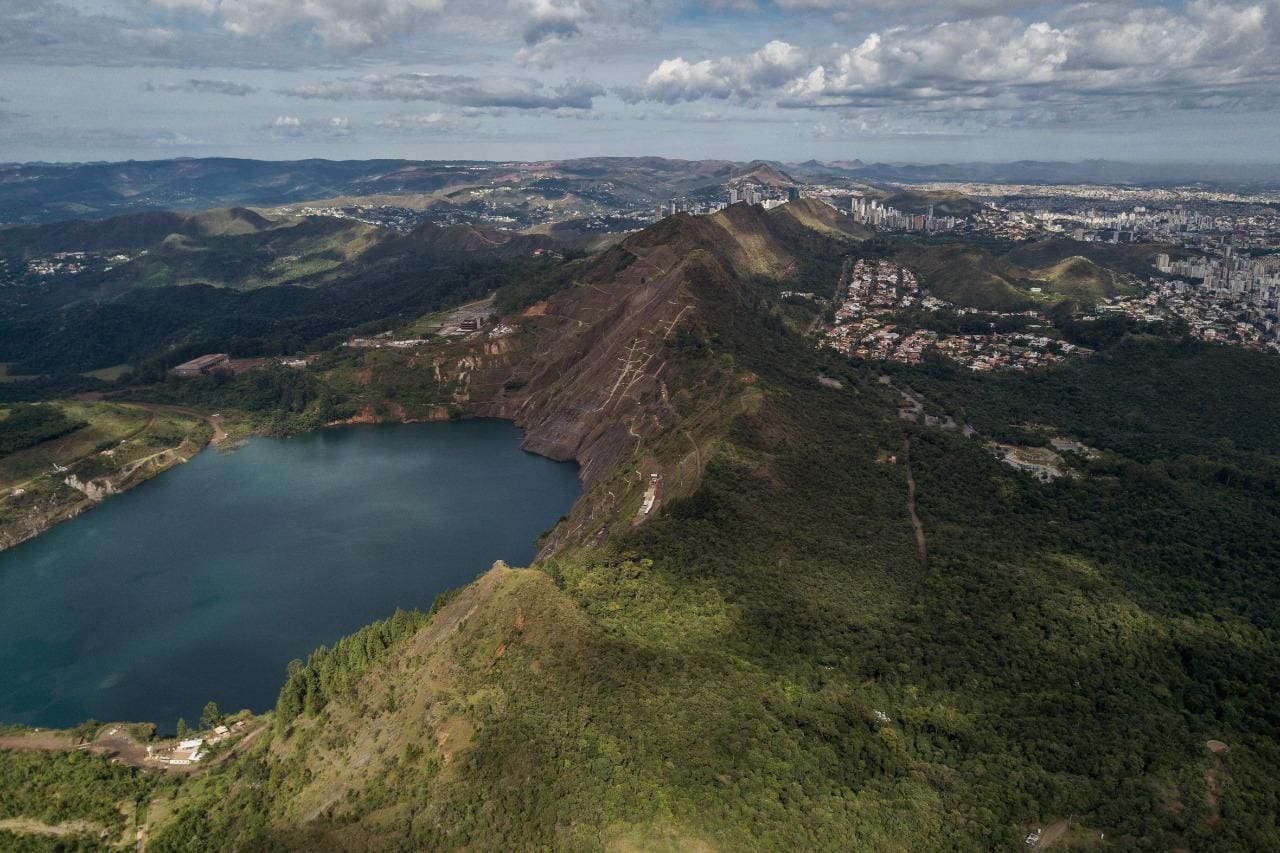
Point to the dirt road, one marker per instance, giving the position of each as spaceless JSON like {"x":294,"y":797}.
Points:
{"x":215,"y":421}
{"x":922,"y":547}
{"x":1052,"y":833}
{"x":115,"y":743}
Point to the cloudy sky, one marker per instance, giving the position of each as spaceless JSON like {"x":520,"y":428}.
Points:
{"x":889,"y":80}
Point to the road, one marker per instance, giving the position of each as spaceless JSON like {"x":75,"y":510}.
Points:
{"x":214,"y":421}
{"x":117,"y":744}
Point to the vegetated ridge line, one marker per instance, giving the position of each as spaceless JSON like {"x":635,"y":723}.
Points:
{"x":922,"y":548}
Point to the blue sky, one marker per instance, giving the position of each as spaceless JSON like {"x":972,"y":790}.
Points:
{"x":888,"y":80}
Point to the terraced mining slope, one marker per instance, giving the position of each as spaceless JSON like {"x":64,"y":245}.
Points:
{"x":619,"y":368}
{"x":765,"y":660}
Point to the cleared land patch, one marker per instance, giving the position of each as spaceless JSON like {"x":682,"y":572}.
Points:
{"x":118,"y":447}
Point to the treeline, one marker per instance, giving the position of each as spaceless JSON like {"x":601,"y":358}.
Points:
{"x":332,"y":672}
{"x":27,"y":425}
{"x":1143,"y":398}
{"x":167,"y":323}
{"x":283,"y":401}
{"x":57,"y":787}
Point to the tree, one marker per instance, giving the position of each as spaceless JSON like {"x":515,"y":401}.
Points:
{"x":183,"y":728}
{"x":211,"y":716}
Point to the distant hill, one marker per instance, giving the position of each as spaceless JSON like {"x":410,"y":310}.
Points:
{"x":1134,"y":258}
{"x":969,"y":276}
{"x":920,"y":201}
{"x":32,"y":193}
{"x":1080,"y":278}
{"x":762,"y":174}
{"x":468,"y":238}
{"x":127,"y":233}
{"x":817,"y":215}
{"x":43,"y":192}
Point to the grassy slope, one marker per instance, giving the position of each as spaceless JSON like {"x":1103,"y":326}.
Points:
{"x":1081,"y":279}
{"x":968,"y":276}
{"x":281,"y":255}
{"x":815,"y":215}
{"x":972,"y":276}
{"x":1134,"y":258}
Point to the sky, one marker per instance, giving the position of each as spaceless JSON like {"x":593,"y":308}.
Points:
{"x":877,"y":80}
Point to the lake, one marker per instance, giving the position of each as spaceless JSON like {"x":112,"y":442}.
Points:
{"x":204,"y":582}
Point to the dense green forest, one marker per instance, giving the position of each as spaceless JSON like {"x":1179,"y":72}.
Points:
{"x":26,"y":425}
{"x":172,"y":323}
{"x":57,"y":787}
{"x":333,"y":673}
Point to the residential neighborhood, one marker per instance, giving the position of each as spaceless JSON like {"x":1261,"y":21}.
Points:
{"x":865,"y":326}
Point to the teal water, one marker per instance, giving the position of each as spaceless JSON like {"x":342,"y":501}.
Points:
{"x":205,"y":582}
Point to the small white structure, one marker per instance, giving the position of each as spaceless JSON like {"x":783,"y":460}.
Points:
{"x":187,"y":752}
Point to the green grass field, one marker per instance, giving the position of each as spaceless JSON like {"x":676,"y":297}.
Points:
{"x":110,"y":374}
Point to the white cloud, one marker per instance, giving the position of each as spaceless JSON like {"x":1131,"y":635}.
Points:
{"x":727,"y":77}
{"x":359,"y":24}
{"x":1215,"y":55}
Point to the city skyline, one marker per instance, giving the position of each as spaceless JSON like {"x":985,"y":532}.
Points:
{"x":982,"y":80}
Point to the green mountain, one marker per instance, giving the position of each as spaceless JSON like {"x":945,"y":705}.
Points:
{"x":1080,"y":278}
{"x":835,"y":627}
{"x":969,"y":275}
{"x":127,"y":233}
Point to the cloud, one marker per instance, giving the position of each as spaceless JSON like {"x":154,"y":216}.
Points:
{"x":290,"y":127}
{"x":727,"y":77}
{"x":346,"y":24}
{"x":359,"y":24}
{"x":202,"y":87}
{"x":1209,"y":54}
{"x":549,"y":19}
{"x":460,"y":90}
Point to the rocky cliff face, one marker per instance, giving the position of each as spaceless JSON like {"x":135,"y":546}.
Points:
{"x":621,"y":368}
{"x":601,"y":377}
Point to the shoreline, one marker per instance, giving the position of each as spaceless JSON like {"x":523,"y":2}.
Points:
{"x":53,"y":510}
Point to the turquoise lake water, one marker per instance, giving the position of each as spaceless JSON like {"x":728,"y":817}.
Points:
{"x":204,"y":582}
